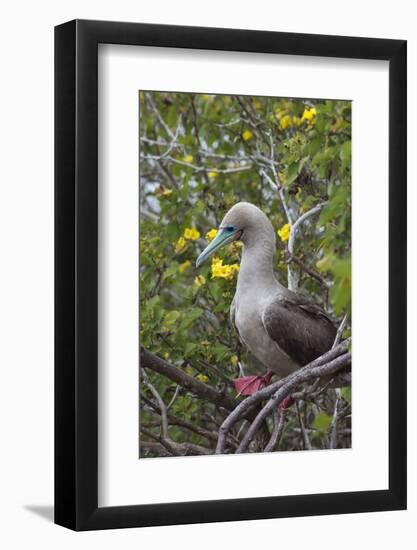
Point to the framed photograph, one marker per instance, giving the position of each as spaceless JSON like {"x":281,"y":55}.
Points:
{"x":230,"y":247}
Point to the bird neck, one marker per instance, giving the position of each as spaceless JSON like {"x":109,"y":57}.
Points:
{"x":256,"y":265}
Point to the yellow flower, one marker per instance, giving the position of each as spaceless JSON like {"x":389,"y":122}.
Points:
{"x":211,"y":234}
{"x":188,"y":159}
{"x":180,"y":245}
{"x":284,"y":232}
{"x":247,"y":135}
{"x":223,"y":271}
{"x":200,"y":280}
{"x":234,"y":360}
{"x":202,"y":377}
{"x":285,"y":122}
{"x":309,"y":114}
{"x":212,"y":175}
{"x":166,"y":192}
{"x":191,"y":234}
{"x":184,"y":266}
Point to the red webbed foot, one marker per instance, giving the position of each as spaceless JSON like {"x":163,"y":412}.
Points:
{"x":247,"y":385}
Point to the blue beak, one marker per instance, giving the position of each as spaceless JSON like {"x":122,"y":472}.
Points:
{"x":223,"y":237}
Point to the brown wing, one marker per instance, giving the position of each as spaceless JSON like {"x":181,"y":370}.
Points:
{"x":300,"y":328}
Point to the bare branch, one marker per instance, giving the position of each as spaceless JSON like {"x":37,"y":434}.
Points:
{"x":301,"y":220}
{"x":201,"y":390}
{"x":175,"y":421}
{"x":309,"y":271}
{"x":279,"y":421}
{"x":290,"y":383}
{"x":154,"y":447}
{"x":159,"y":116}
{"x":306,"y":439}
{"x":247,"y":404}
{"x":160,"y":401}
{"x":196,"y":168}
{"x":340,"y":330}
{"x":178,"y":449}
{"x":333,"y":425}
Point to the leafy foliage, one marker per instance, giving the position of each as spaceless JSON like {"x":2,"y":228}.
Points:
{"x":200,"y":154}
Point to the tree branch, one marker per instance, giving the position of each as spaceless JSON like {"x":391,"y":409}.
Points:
{"x":201,"y":390}
{"x":178,"y":449}
{"x":247,"y":405}
{"x":290,"y":383}
{"x":279,"y":420}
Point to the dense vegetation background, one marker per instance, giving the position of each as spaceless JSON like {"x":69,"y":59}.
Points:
{"x":199,"y":155}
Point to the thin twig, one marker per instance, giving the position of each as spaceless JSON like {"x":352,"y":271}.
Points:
{"x":340,"y":330}
{"x":279,"y":421}
{"x":301,"y":220}
{"x":306,"y":439}
{"x":196,"y":168}
{"x":159,"y":116}
{"x":333,"y":425}
{"x":161,"y":403}
{"x":309,"y":271}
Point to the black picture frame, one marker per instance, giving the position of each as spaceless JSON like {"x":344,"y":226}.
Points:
{"x":76,"y":271}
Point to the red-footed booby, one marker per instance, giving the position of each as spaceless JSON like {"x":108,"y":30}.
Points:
{"x":280,"y":328}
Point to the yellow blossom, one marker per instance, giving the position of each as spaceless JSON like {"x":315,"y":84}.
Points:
{"x":247,"y":135}
{"x":211,"y":234}
{"x":184,"y":266}
{"x":180,"y":245}
{"x":285,"y":122}
{"x":191,"y":234}
{"x":234,"y":360}
{"x":284,"y":232}
{"x":166,"y":192}
{"x":212,"y":175}
{"x":202,"y":377}
{"x":309,"y":114}
{"x":188,"y":159}
{"x":223,"y":271}
{"x":200,"y":280}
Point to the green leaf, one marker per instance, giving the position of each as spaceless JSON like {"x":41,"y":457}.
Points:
{"x":325,"y":263}
{"x":347,"y":394}
{"x":171,"y":317}
{"x":291,"y":173}
{"x":190,"y":317}
{"x":189,"y":348}
{"x":322,"y":422}
{"x":345,"y":152}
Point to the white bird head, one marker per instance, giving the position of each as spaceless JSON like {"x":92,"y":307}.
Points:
{"x":245,"y":222}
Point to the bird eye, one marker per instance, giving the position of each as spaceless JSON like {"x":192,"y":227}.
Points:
{"x":229,"y":228}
